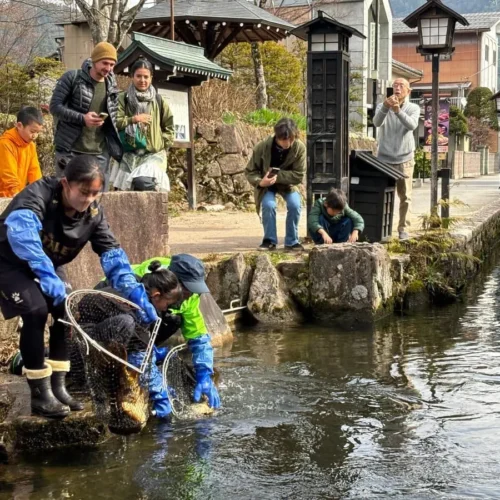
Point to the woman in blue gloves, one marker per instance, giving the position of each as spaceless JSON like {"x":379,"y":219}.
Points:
{"x":174,"y":286}
{"x":44,"y":227}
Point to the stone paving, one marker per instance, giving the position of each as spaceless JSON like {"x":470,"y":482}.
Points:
{"x":202,"y":233}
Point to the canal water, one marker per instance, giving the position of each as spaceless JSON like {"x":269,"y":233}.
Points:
{"x":409,"y":409}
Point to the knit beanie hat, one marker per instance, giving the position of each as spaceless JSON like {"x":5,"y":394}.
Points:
{"x":103,"y":50}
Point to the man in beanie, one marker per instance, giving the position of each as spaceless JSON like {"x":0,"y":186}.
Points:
{"x":84,"y":105}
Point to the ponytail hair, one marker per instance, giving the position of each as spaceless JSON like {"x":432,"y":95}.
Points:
{"x":161,"y":279}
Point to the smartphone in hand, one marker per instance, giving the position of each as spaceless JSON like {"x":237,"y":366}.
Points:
{"x":274,"y":172}
{"x":103,"y":116}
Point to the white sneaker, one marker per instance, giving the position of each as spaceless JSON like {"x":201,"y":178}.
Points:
{"x":403,"y":235}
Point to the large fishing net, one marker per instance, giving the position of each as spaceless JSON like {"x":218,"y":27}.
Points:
{"x":103,"y":334}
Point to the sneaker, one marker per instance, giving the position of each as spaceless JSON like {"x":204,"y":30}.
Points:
{"x":403,"y":235}
{"x":267,"y":246}
{"x":294,"y":248}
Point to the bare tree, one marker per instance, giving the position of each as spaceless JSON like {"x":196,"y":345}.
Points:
{"x":480,"y":131}
{"x":19,"y":32}
{"x":109,"y":20}
{"x":260,"y":78}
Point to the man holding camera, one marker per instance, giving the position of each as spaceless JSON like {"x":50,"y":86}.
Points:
{"x":277,"y":166}
{"x":396,"y":119}
{"x":84,"y":105}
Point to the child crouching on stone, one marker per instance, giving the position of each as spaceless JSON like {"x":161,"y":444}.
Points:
{"x":332,"y":221}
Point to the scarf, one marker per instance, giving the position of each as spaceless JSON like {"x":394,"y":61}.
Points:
{"x":138,"y":103}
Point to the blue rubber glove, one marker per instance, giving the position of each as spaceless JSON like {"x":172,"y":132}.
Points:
{"x":160,"y":353}
{"x":157,"y":395}
{"x":147,"y":314}
{"x":203,"y":364}
{"x":23,"y":228}
{"x":119,"y":274}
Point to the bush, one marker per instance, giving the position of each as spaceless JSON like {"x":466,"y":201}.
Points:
{"x":480,"y":106}
{"x":268,"y":117}
{"x":422,"y":165}
{"x":458,"y":122}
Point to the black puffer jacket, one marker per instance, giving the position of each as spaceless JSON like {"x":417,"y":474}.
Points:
{"x":71,"y":100}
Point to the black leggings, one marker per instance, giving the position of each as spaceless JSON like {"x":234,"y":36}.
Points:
{"x":32,"y":342}
{"x":21,"y":296}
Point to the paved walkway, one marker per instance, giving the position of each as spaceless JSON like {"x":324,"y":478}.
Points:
{"x":202,"y":233}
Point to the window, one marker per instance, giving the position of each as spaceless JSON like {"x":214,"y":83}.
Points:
{"x":494,"y":58}
{"x":486,"y":53}
{"x":321,"y":42}
{"x":434,"y":31}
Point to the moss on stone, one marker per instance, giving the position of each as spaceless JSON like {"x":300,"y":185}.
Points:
{"x":416,"y":286}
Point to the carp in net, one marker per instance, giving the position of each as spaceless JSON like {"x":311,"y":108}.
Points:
{"x":103,"y":334}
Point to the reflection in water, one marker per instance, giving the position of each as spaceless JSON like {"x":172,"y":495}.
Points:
{"x":410,"y":409}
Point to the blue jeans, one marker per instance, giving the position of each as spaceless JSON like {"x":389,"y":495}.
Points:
{"x":293,"y":207}
{"x":339,"y":232}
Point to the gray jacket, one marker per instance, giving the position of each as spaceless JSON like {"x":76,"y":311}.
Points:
{"x":396,"y":143}
{"x":71,"y":100}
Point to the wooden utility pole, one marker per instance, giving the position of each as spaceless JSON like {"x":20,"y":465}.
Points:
{"x":172,"y":21}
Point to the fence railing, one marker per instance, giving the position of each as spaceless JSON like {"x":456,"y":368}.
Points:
{"x":459,"y":102}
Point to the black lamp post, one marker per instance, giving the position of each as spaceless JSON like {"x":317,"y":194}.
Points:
{"x":436,"y":26}
{"x":328,"y":73}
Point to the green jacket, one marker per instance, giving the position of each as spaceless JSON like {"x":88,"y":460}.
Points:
{"x":319,"y":209}
{"x":160,"y":133}
{"x":291,"y":173}
{"x":193,"y":323}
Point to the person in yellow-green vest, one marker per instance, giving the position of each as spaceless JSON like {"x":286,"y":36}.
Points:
{"x":174,"y":286}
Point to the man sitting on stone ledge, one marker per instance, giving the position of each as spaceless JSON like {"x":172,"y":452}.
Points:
{"x":277,"y":165}
{"x":332,"y":221}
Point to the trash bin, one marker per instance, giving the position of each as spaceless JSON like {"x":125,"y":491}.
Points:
{"x":372,"y":192}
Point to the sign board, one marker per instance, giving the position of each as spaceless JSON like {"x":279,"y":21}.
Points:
{"x":443,"y":127}
{"x":179,"y":105}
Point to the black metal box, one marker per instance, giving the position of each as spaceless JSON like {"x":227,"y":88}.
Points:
{"x":372,"y":189}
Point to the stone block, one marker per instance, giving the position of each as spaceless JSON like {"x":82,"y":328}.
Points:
{"x":207,"y":131}
{"x":350,"y":283}
{"x":226,"y":184}
{"x":229,"y":139}
{"x":213,"y":170}
{"x":241,"y":185}
{"x":268,"y":299}
{"x":232,"y":164}
{"x":229,"y":279}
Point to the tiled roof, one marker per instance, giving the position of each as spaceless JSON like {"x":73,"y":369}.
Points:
{"x":211,"y":10}
{"x":187,"y":58}
{"x":405,"y":67}
{"x":482,"y":21}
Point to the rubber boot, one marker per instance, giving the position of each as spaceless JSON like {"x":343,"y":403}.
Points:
{"x":43,"y":401}
{"x":58,"y":382}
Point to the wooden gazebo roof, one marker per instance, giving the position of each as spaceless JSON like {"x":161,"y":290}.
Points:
{"x":175,"y":61}
{"x":212,"y":24}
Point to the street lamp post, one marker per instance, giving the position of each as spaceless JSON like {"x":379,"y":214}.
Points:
{"x":436,"y":26}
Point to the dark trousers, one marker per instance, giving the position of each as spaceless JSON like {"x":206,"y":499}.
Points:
{"x":21,"y":295}
{"x":339,"y":232}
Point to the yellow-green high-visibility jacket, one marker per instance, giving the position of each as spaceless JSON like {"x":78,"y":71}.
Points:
{"x":193,"y":324}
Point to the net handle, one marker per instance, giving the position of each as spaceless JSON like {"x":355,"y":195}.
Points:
{"x":91,"y":341}
{"x":171,"y":353}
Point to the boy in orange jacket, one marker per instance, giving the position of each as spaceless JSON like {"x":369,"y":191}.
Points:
{"x":18,"y":158}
